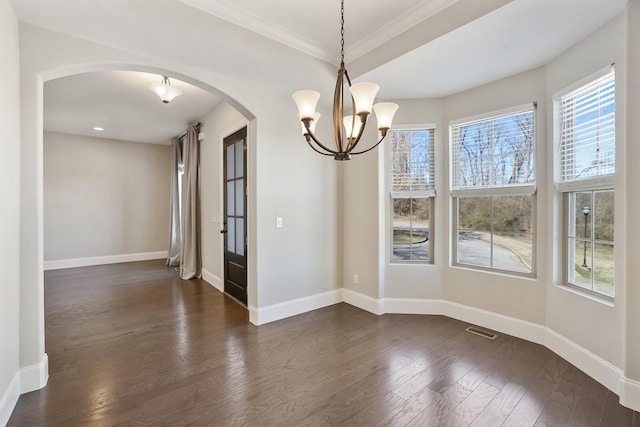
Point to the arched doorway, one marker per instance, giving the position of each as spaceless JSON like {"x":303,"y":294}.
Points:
{"x":33,"y":359}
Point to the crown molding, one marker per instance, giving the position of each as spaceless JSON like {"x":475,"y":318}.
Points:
{"x":266,"y":28}
{"x":250,"y":21}
{"x":397,"y":26}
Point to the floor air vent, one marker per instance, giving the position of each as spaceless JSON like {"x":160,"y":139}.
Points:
{"x":485,"y":334}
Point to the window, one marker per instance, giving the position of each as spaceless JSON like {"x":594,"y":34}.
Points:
{"x":590,"y":240}
{"x":412,"y":194}
{"x":586,"y":177}
{"x":493,"y":190}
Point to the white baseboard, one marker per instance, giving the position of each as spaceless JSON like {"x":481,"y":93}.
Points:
{"x":414,"y":306}
{"x":364,"y":302}
{"x":212,"y":279}
{"x":599,"y":369}
{"x":271,"y":313}
{"x":529,"y":331}
{"x":630,"y":394}
{"x":34,"y":377}
{"x":508,"y":325}
{"x":101,"y":260}
{"x":9,"y":399}
{"x":254,"y":316}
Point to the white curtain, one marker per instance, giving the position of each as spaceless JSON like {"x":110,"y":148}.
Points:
{"x":191,"y":262}
{"x":175,"y":235}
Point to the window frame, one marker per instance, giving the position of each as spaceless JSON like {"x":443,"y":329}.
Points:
{"x":592,"y":184}
{"x":526,"y":189}
{"x":430,"y":195}
{"x":454,"y":239}
{"x":566,"y":247}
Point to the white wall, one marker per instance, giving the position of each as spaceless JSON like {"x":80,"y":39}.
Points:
{"x":589,"y":332}
{"x":220,"y":123}
{"x":366,"y":217}
{"x":104,"y":197}
{"x":419,"y":280}
{"x":286,"y":178}
{"x":595,"y":326}
{"x":316,"y":197}
{"x":504,"y":294}
{"x":632,"y":195}
{"x":520,"y":298}
{"x":366,"y":211}
{"x":294,"y":183}
{"x":10,"y":212}
{"x":361,"y":237}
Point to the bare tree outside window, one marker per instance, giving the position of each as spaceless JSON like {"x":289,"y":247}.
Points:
{"x":495,"y":152}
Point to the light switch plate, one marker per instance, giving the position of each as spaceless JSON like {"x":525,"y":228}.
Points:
{"x":278,"y":222}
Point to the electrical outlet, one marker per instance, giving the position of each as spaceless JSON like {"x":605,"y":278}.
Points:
{"x":356,"y":279}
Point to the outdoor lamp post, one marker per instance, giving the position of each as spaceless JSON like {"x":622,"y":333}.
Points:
{"x":586,"y":211}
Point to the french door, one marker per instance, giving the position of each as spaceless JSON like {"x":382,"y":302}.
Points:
{"x":235,"y":217}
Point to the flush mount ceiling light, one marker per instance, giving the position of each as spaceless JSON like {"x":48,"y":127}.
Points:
{"x":362,"y":96}
{"x":164,"y":90}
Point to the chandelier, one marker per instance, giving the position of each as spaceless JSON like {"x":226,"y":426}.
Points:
{"x":164,"y":90}
{"x":362,"y":96}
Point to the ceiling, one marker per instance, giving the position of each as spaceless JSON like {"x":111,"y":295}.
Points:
{"x":121,"y":103}
{"x":411,"y":48}
{"x":313,"y":26}
{"x":517,"y":37}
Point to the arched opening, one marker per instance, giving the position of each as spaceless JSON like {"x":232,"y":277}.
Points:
{"x":33,"y":350}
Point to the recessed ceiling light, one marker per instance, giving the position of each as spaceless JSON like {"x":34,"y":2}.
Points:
{"x":98,"y":128}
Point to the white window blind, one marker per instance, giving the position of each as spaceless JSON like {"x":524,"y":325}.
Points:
{"x":587,"y":134}
{"x":412,"y":163}
{"x":492,"y":153}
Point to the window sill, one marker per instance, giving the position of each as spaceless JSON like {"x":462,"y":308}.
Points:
{"x":411,"y":263}
{"x":586,"y":293}
{"x":493,"y":271}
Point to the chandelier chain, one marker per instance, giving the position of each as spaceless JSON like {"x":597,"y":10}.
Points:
{"x":342,"y":31}
{"x":347,"y":130}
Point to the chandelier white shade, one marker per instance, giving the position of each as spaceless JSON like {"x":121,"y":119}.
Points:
{"x":384,"y":114}
{"x":363,"y":94}
{"x":306,"y":100}
{"x":347,"y":130}
{"x":164,"y":90}
{"x":352,"y":126}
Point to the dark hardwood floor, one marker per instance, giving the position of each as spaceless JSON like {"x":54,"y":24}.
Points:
{"x":132,"y":344}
